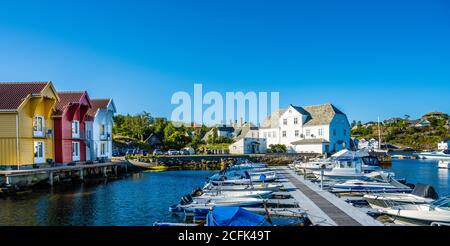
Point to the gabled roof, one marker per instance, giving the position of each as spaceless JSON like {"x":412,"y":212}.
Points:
{"x":321,"y":114}
{"x":67,"y":98}
{"x":272,"y":121}
{"x":97,"y":104}
{"x":12,"y":94}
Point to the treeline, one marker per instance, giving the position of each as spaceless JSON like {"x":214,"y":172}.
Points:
{"x":137,"y":128}
{"x":404,"y":134}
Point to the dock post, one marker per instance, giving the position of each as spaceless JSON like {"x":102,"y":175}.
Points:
{"x":126,"y":167}
{"x":104,"y":172}
{"x":115,"y":170}
{"x":8,"y":180}
{"x":82,"y":174}
{"x":321,"y":179}
{"x":50,"y":178}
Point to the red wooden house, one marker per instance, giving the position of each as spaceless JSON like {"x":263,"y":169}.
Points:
{"x":69,"y":125}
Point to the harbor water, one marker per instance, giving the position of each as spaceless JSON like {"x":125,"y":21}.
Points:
{"x":144,"y":198}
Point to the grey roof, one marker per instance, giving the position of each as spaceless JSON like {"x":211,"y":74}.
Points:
{"x":272,"y":121}
{"x":321,"y":114}
{"x":310,"y":141}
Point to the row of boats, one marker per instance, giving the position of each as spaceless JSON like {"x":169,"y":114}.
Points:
{"x":349,"y":173}
{"x":249,"y":193}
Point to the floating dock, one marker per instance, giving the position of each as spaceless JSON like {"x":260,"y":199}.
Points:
{"x":322,"y":207}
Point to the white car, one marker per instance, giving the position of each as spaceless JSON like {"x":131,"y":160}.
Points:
{"x":172,"y":152}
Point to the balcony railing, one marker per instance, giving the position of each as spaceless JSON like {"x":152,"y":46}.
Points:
{"x":106,"y":136}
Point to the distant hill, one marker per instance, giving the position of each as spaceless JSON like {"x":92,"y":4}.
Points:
{"x":421,"y":134}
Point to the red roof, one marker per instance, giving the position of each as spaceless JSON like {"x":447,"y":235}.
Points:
{"x":97,"y":104}
{"x":12,"y":94}
{"x":67,"y":98}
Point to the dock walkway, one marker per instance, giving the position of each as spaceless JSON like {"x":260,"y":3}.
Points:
{"x":322,"y":207}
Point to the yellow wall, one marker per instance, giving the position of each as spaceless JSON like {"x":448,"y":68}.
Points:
{"x":8,"y":139}
{"x":31,"y":107}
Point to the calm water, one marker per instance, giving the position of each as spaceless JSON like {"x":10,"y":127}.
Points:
{"x":144,"y":198}
{"x":423,"y":171}
{"x":140,"y":199}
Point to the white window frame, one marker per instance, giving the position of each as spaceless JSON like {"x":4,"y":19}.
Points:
{"x":297,"y":133}
{"x":103,"y":151}
{"x":295,"y":121}
{"x":285,"y":122}
{"x":284,"y":134}
{"x":75,"y":129}
{"x":39,"y":155}
{"x":38,"y":132}
{"x":76,"y":151}
{"x":308,"y":132}
{"x":320,"y":132}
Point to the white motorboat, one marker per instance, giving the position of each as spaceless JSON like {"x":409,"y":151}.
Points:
{"x":444,"y":164}
{"x":420,"y":214}
{"x":187,"y":203}
{"x":220,"y":194}
{"x":314,"y":165}
{"x":257,"y":186}
{"x":435,"y":155}
{"x":367,"y":186}
{"x":246,"y":166}
{"x":247,"y":178}
{"x":421,"y":194}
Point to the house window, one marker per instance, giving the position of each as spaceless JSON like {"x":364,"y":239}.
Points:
{"x":284,"y":134}
{"x":296,"y":133}
{"x":39,"y":152}
{"x":103,"y":149}
{"x":265,"y":134}
{"x":295,"y":121}
{"x":285,"y":122}
{"x":321,"y":132}
{"x":270,"y":134}
{"x":75,"y":151}
{"x":102,"y":129}
{"x":274,"y":134}
{"x":75,"y":128}
{"x":38,"y":126}
{"x":308,"y":133}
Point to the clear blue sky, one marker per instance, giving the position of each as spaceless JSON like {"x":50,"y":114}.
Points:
{"x":370,"y":58}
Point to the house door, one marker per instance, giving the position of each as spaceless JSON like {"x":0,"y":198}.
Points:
{"x":88,"y":151}
{"x":75,"y":151}
{"x":39,"y":152}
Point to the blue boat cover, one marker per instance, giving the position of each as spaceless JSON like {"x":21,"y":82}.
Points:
{"x":233,"y":216}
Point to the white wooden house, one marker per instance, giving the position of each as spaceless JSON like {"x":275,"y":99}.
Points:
{"x":99,"y":129}
{"x":318,"y":129}
{"x":444,"y":144}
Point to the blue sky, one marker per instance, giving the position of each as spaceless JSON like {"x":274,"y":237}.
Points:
{"x":369,"y":58}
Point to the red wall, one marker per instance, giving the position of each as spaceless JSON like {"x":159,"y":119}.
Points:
{"x":63,"y":132}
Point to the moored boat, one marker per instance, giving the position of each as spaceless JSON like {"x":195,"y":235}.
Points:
{"x":435,"y":155}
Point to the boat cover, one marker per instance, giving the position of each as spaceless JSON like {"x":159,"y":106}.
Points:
{"x":233,"y":216}
{"x":348,"y":154}
{"x":426,"y":191}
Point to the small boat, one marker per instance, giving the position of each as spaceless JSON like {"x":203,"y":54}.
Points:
{"x":421,"y":214}
{"x":147,"y":165}
{"x":233,"y":216}
{"x":216,"y":194}
{"x":367,"y":186}
{"x":188,"y":203}
{"x":246,"y":166}
{"x":444,"y":164}
{"x":421,"y":194}
{"x":234,"y":178}
{"x":435,"y":155}
{"x":257,"y":186}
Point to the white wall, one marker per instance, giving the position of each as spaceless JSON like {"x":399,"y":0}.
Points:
{"x":290,"y":127}
{"x":339,"y":131}
{"x":242,"y":146}
{"x":443,"y":145}
{"x":310,"y":148}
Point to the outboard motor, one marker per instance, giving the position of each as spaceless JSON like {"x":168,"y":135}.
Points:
{"x":197,"y":192}
{"x":426,"y":191}
{"x":186,"y":199}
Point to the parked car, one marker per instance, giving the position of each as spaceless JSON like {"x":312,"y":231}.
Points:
{"x":172,"y":152}
{"x":115,"y":153}
{"x":158,"y":152}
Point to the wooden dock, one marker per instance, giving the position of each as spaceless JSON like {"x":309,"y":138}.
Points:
{"x":322,"y":207}
{"x":27,"y":177}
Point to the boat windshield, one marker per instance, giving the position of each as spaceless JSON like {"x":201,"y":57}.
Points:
{"x":447,"y":152}
{"x":442,"y":203}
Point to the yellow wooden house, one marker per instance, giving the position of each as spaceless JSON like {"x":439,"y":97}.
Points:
{"x":26,"y":125}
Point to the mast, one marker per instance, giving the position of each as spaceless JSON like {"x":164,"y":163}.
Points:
{"x":379,"y":134}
